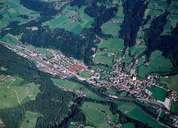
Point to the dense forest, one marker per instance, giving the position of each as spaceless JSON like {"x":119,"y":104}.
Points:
{"x":52,"y":102}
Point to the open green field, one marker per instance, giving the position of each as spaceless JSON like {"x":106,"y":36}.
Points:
{"x":10,"y":39}
{"x":158,"y":4}
{"x":170,"y":81}
{"x":12,"y":11}
{"x":128,"y":125}
{"x":14,"y":91}
{"x":112,"y":27}
{"x":174,"y":107}
{"x":157,"y":63}
{"x":71,"y":19}
{"x":171,"y":23}
{"x":172,"y":18}
{"x":107,"y":49}
{"x":88,"y":127}
{"x":173,"y":6}
{"x":85,"y":74}
{"x":137,"y":50}
{"x":112,"y":45}
{"x":30,"y":119}
{"x":48,"y":0}
{"x":156,"y":7}
{"x":158,"y":93}
{"x":103,"y":57}
{"x":96,"y":114}
{"x":135,"y":112}
{"x":74,"y":86}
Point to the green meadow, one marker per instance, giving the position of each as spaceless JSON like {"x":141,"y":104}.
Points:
{"x":137,"y":50}
{"x":103,"y":57}
{"x":29,"y":120}
{"x":107,"y":49}
{"x":15,"y":91}
{"x":156,"y":7}
{"x":96,"y":114}
{"x":85,"y":74}
{"x":174,"y":107}
{"x":10,"y":39}
{"x":128,"y":125}
{"x":157,"y":64}
{"x":74,"y":86}
{"x":112,"y":27}
{"x":12,"y":11}
{"x":172,"y":18}
{"x":173,"y":7}
{"x":71,"y":19}
{"x":135,"y":112}
{"x":170,"y":81}
{"x":158,"y":93}
{"x":112,"y":45}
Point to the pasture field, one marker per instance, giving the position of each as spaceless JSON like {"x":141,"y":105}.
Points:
{"x":15,"y":91}
{"x":173,"y":7}
{"x":74,"y":86}
{"x":107,"y":49}
{"x":10,"y":39}
{"x":157,"y":64}
{"x":112,"y":45}
{"x":128,"y":125}
{"x":174,"y":107}
{"x":85,"y":74}
{"x":13,"y":10}
{"x":158,"y":93}
{"x":112,"y":27}
{"x":137,"y":50}
{"x":132,"y":110}
{"x":96,"y":114}
{"x":103,"y":57}
{"x":155,"y":8}
{"x":170,"y":81}
{"x":29,"y":120}
{"x":172,"y":18}
{"x":71,"y":19}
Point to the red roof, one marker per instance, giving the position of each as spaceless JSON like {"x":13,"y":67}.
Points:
{"x":76,"y":67}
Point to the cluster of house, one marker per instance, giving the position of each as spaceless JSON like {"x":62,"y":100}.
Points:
{"x":57,"y":64}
